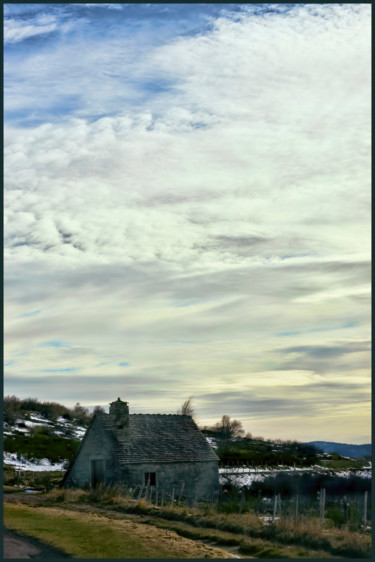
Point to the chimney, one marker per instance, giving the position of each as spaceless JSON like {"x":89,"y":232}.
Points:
{"x":119,"y":412}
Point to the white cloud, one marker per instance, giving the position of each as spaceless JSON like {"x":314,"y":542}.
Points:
{"x":15,"y":30}
{"x":194,"y":224}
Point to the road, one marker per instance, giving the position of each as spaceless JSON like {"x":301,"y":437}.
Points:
{"x":17,"y":546}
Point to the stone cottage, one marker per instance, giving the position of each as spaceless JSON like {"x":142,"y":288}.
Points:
{"x":167,"y":452}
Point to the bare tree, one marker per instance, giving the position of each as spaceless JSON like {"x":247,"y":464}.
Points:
{"x":228,"y":429}
{"x":99,"y":409}
{"x":186,"y":408}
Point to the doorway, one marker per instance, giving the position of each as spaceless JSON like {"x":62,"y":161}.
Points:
{"x":97,"y":472}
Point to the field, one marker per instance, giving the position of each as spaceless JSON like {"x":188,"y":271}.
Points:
{"x":75,"y":521}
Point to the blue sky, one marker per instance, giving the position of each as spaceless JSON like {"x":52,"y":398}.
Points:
{"x":187,"y":211}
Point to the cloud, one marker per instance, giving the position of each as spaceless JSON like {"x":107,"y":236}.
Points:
{"x":192,"y":193}
{"x":32,"y":313}
{"x":15,"y":31}
{"x":54,"y":344}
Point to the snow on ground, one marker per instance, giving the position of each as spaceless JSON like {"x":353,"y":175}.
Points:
{"x":244,"y":476}
{"x":241,"y":479}
{"x":42,"y":465}
{"x":61,"y":427}
{"x":22,"y":429}
{"x":35,"y":424}
{"x":40,"y":418}
{"x":79,"y":432}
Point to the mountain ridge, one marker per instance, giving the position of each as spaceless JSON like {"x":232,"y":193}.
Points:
{"x":343,"y":449}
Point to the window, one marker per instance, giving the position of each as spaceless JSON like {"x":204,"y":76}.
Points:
{"x":150,"y":478}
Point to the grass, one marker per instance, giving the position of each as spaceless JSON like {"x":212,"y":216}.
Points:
{"x":83,"y":535}
{"x":42,"y":480}
{"x":256,"y":547}
{"x":286,"y":538}
{"x":345,"y":464}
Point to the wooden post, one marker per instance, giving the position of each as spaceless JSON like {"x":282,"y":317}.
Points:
{"x":140,"y":492}
{"x":365,"y":512}
{"x":162,"y":498}
{"x":274,"y":508}
{"x":241,"y":502}
{"x":322,"y":504}
{"x":147,"y":487}
{"x":156,"y":496}
{"x":296,"y":507}
{"x":172,"y":496}
{"x":182,"y":489}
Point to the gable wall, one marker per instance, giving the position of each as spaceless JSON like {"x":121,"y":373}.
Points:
{"x":96,"y":446}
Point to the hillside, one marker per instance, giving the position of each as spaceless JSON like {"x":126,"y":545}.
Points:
{"x":42,"y":436}
{"x":343,"y":449}
{"x":36,"y":443}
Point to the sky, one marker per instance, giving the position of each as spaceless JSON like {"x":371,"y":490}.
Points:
{"x":187,"y":211}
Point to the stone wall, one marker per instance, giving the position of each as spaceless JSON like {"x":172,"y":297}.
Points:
{"x":198,"y":480}
{"x":96,"y":446}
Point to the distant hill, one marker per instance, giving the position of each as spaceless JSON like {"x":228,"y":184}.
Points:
{"x":343,"y":449}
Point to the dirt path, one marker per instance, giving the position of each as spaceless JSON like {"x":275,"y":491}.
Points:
{"x":139,"y":535}
{"x":18,"y":546}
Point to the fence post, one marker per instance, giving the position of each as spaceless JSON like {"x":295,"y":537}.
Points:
{"x":172,"y":497}
{"x":365,"y":511}
{"x":162,"y":498}
{"x":274,"y":508}
{"x":241,"y":502}
{"x":182,"y":489}
{"x":322,"y":504}
{"x":147,"y":487}
{"x":259,"y":503}
{"x":156,"y":496}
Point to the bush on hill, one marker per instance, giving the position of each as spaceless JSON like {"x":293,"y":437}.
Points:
{"x":40,"y":444}
{"x":14,"y":408}
{"x":259,"y":452}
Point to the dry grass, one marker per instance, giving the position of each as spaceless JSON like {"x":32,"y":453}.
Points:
{"x":81,"y":535}
{"x":298,"y":538}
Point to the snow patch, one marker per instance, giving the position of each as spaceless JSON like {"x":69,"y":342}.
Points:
{"x":244,"y":477}
{"x":36,"y":423}
{"x":42,"y":465}
{"x":79,"y":432}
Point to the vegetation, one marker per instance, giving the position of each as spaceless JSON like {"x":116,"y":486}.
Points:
{"x":345,"y":464}
{"x":15,"y":480}
{"x":186,"y":408}
{"x":302,"y":536}
{"x":14,"y":408}
{"x":258,"y":452}
{"x":309,"y":485}
{"x":81,"y":535}
{"x":41,"y":444}
{"x":225,"y":430}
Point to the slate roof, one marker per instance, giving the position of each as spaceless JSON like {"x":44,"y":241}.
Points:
{"x":159,"y":438}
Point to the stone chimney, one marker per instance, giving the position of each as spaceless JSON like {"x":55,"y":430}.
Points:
{"x":119,"y":412}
